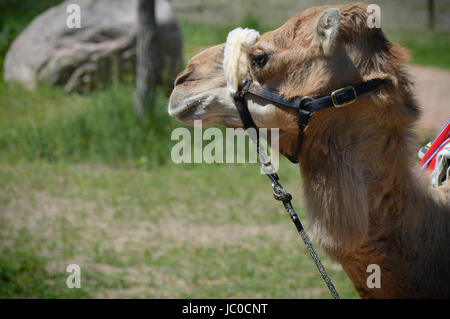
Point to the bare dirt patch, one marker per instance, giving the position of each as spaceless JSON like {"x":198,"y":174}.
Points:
{"x":433,"y":92}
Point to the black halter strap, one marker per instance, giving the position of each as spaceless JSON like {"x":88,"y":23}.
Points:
{"x":306,"y":106}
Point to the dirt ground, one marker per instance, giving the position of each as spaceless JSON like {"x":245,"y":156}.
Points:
{"x":433,"y":93}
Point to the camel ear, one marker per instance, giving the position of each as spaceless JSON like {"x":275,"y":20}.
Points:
{"x":327,"y":29}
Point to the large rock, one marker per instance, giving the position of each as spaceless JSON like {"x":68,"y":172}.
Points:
{"x":88,"y":58}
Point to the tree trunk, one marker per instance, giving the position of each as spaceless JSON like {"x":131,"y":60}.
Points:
{"x":431,"y":14}
{"x":146,"y":51}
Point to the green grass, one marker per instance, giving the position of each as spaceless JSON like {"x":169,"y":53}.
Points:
{"x":138,"y":233}
{"x":83,"y":181}
{"x":201,"y":35}
{"x":426,"y":47}
{"x":100,"y":127}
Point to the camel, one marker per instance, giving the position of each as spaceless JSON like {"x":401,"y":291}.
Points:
{"x":366,"y":202}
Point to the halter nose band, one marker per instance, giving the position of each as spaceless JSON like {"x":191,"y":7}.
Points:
{"x":306,"y":105}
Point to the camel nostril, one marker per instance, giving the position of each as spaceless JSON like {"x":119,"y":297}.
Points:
{"x":184,"y":75}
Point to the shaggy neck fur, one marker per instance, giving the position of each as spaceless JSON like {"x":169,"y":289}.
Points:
{"x":365,"y":200}
{"x":367,"y":206}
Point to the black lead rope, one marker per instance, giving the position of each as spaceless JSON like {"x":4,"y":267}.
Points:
{"x":311,"y":250}
{"x":280,"y":194}
{"x":306,"y":106}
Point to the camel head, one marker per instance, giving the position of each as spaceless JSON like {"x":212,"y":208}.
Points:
{"x":317,"y":51}
{"x":347,"y":153}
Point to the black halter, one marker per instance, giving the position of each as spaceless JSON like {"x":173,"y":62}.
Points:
{"x":306,"y":106}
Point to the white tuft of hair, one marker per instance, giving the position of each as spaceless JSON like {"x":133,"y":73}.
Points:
{"x":235,"y":62}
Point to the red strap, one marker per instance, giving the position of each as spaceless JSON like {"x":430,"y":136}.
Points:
{"x":429,"y":159}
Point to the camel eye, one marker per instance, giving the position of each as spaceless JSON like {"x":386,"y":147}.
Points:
{"x":258,"y":60}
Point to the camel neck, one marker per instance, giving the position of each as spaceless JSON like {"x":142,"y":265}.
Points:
{"x":354,"y":190}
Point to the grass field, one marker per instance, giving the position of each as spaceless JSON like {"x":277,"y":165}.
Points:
{"x":168,"y":232}
{"x":83,"y":181}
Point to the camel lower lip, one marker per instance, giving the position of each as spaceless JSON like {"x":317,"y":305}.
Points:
{"x":180,"y":111}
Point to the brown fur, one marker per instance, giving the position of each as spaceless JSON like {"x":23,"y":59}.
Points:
{"x":365,"y":203}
